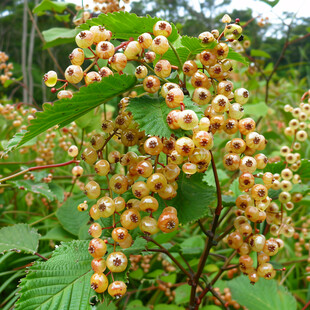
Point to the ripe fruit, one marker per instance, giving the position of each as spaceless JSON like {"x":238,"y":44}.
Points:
{"x":168,"y":222}
{"x":97,"y":248}
{"x":74,"y":74}
{"x":117,"y":262}
{"x":99,"y":282}
{"x":92,"y":190}
{"x":84,"y":39}
{"x":130,"y":219}
{"x":117,"y":289}
{"x":106,"y":206}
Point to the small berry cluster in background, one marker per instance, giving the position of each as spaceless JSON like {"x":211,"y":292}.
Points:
{"x":5,"y":68}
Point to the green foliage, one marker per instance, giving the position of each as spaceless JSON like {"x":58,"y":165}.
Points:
{"x":50,"y":191}
{"x":236,"y":56}
{"x":65,"y":111}
{"x":151,"y":114}
{"x":194,"y":45}
{"x":259,"y":53}
{"x":194,"y":198}
{"x":259,"y":109}
{"x":48,"y":5}
{"x":70,"y":218}
{"x":264,"y":295}
{"x":62,"y":281}
{"x":19,"y":238}
{"x":304,"y":170}
{"x":58,"y":36}
{"x":274,"y":167}
{"x":182,"y":294}
{"x":125,"y":25}
{"x":137,"y":247}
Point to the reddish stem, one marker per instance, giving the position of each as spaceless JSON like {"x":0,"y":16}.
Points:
{"x":73,"y":161}
{"x":124,"y":44}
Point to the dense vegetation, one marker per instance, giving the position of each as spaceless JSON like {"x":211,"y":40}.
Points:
{"x":168,"y":167}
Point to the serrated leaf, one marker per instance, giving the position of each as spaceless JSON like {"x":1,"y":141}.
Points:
{"x":19,"y":237}
{"x":125,"y":25}
{"x":16,"y":140}
{"x":151,"y":113}
{"x":106,"y":305}
{"x":194,"y":198}
{"x":259,"y":53}
{"x":58,"y":36}
{"x":65,"y":111}
{"x":264,"y":295}
{"x":70,"y":218}
{"x":194,"y":45}
{"x":62,"y":282}
{"x":208,"y":177}
{"x":183,"y":53}
{"x":48,"y":5}
{"x":36,"y":188}
{"x":193,"y":245}
{"x":236,"y":56}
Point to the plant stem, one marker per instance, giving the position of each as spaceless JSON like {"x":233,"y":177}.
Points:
{"x":165,"y":251}
{"x":73,"y":161}
{"x":210,"y":240}
{"x":40,"y":256}
{"x":43,"y":218}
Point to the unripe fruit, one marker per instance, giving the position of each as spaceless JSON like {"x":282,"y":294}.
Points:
{"x":100,"y":34}
{"x":92,"y":190}
{"x":174,"y":98}
{"x":141,"y":72}
{"x":65,"y":94}
{"x":130,"y":219}
{"x":241,"y":95}
{"x":145,"y":40}
{"x":50,"y":78}
{"x":151,"y":84}
{"x":190,"y":67}
{"x":118,"y":183}
{"x":188,"y":119}
{"x":92,"y":77}
{"x":132,"y":50}
{"x":98,"y":265}
{"x":148,"y":225}
{"x":201,"y":96}
{"x":163,"y":68}
{"x":118,"y":62}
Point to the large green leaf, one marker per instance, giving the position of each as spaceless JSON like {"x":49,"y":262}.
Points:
{"x":274,"y":167}
{"x":19,"y":237}
{"x":264,"y":295}
{"x":65,"y":111}
{"x":259,"y":53}
{"x":70,"y":217}
{"x":12,"y":144}
{"x":62,"y":282}
{"x":48,"y":5}
{"x":193,"y":199}
{"x":125,"y":25}
{"x":151,"y":113}
{"x":58,"y":36}
{"x":256,"y":109}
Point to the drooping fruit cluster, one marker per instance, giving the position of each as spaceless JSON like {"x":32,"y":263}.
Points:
{"x":5,"y":68}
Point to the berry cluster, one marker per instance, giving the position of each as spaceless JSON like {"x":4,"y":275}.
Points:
{"x":5,"y":68}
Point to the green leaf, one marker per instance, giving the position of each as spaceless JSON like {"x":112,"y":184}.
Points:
{"x":228,"y":201}
{"x":264,"y":295}
{"x":20,"y":238}
{"x":16,"y":140}
{"x":36,"y":188}
{"x":304,"y":170}
{"x":168,"y":307}
{"x":57,"y":233}
{"x":48,"y":5}
{"x":62,"y":282}
{"x":272,"y":3}
{"x":194,"y":45}
{"x":58,"y":36}
{"x":208,"y":177}
{"x":259,"y":53}
{"x":274,"y":167}
{"x":58,"y":191}
{"x":151,"y":113}
{"x":125,"y":25}
{"x":182,"y":294}
{"x":183,"y":53}
{"x":70,"y":217}
{"x":65,"y":111}
{"x":136,"y":305}
{"x":256,"y":109}
{"x":193,"y":245}
{"x":107,"y":305}
{"x":137,"y":247}
{"x":236,"y":56}
{"x":194,"y":198}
